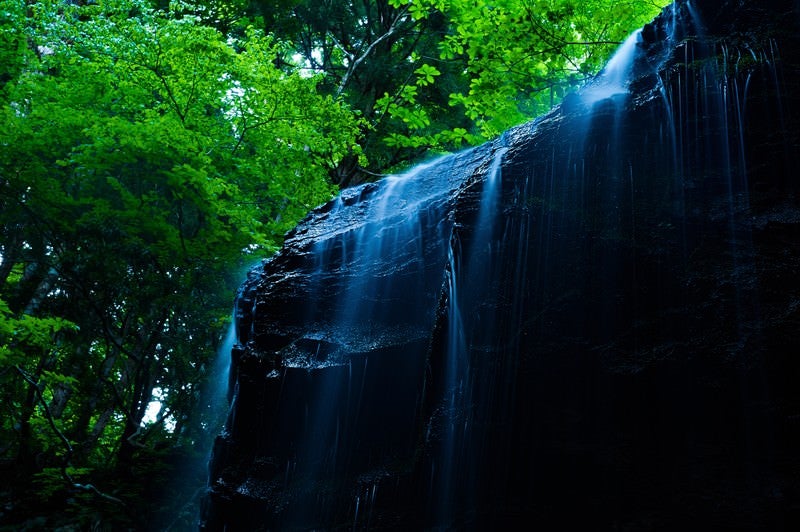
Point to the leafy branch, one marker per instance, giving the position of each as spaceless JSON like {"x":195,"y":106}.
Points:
{"x":65,"y":463}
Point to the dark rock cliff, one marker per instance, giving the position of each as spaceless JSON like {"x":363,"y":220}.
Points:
{"x":593,"y":321}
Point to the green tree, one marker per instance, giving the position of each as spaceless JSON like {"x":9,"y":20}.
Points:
{"x":144,"y":159}
{"x":150,"y":151}
{"x":438,"y":74}
{"x":369,"y":53}
{"x":521,"y":56}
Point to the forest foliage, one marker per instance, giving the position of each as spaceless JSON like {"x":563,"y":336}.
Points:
{"x":150,"y":151}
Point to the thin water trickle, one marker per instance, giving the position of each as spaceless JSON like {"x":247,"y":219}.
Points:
{"x":355,"y":516}
{"x":696,"y":20}
{"x":466,"y":268}
{"x":220,"y":380}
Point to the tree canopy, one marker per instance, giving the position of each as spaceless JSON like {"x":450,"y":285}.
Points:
{"x":443,"y":74}
{"x":151,"y":151}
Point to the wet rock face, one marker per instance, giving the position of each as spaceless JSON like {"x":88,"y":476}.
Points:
{"x":592,"y":321}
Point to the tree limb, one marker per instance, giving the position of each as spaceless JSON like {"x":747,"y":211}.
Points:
{"x":354,"y":64}
{"x":70,"y":450}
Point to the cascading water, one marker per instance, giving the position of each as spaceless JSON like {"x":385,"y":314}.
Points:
{"x":373,"y":285}
{"x":368,"y":307}
{"x":614,"y":78}
{"x":584,"y":324}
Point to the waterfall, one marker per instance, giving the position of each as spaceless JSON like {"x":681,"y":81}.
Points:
{"x":582,"y":324}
